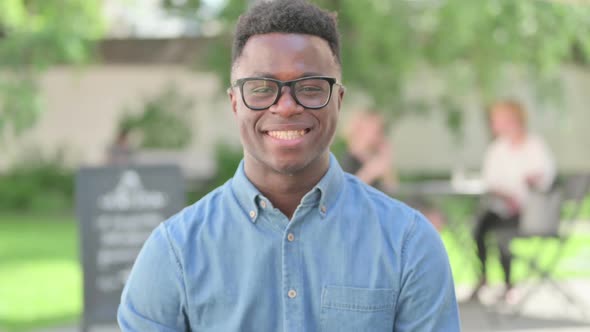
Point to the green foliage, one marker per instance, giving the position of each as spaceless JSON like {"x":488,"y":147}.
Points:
{"x":218,"y":58}
{"x":338,"y":146}
{"x":34,"y":35}
{"x":164,"y":122}
{"x":182,"y":8}
{"x":21,"y":104}
{"x":219,"y":54}
{"x":469,"y":47}
{"x":585,"y":212}
{"x":37,"y":184}
{"x":227,"y":159}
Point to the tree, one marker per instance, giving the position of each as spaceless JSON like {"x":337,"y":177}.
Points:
{"x":469,"y":45}
{"x":35,"y":35}
{"x":181,"y":8}
{"x":163,"y":121}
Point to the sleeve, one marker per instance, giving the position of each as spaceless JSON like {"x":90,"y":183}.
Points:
{"x":154,"y":296}
{"x":543,"y":164}
{"x":426,"y":300}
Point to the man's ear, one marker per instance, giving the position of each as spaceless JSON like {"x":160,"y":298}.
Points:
{"x":231,"y":91}
{"x":233,"y":99}
{"x":341,"y":93}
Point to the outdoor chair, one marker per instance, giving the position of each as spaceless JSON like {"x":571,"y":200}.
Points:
{"x":548,"y":215}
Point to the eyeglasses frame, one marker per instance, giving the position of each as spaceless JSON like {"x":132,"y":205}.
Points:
{"x":240,"y":84}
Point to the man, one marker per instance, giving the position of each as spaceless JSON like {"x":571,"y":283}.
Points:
{"x":291,"y":242}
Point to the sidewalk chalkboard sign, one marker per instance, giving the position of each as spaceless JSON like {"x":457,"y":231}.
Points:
{"x":117,"y":208}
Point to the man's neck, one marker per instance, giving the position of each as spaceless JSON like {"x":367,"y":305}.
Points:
{"x":285,"y":191}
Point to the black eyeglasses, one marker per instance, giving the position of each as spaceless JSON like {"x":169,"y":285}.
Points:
{"x":260,"y":93}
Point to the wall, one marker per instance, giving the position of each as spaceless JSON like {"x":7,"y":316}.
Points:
{"x":82,"y":107}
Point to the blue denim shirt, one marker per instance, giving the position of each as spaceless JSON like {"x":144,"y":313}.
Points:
{"x":350,"y":259}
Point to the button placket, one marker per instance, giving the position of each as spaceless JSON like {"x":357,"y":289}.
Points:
{"x":292,"y":292}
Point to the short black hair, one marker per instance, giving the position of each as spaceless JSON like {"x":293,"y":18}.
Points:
{"x":286,"y":16}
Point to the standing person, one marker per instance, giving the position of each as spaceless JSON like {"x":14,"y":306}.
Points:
{"x":121,"y":151}
{"x":291,"y":242}
{"x":369,"y":154}
{"x":515,"y":163}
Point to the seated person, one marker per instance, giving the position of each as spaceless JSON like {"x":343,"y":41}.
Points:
{"x":515,"y":163}
{"x":369,"y":154}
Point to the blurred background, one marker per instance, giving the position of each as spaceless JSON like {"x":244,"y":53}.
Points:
{"x":91,"y":83}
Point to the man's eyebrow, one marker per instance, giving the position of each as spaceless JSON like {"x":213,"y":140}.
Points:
{"x":263,"y":74}
{"x":269,"y":75}
{"x":307,"y":74}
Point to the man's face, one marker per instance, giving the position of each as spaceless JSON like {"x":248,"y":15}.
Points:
{"x":286,"y":138}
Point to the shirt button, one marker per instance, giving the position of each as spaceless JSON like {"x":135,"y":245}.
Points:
{"x":252,"y":214}
{"x":263,"y":204}
{"x":292,"y":294}
{"x":290,"y":237}
{"x":323,"y":209}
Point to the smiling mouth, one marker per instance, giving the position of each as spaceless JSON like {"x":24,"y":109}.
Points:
{"x":287,"y":135}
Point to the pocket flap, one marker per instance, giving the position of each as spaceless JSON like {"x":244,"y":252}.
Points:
{"x":358,"y":299}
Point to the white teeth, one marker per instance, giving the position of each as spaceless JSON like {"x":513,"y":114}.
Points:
{"x":287,"y":134}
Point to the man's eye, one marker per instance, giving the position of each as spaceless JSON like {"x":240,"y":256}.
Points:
{"x":309,"y":89}
{"x":262,"y":90}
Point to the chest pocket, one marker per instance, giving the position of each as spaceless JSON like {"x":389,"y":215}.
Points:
{"x":357,"y":309}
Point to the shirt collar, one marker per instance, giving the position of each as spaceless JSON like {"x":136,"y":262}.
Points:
{"x":325,"y":192}
{"x":330,"y":186}
{"x":245,"y":192}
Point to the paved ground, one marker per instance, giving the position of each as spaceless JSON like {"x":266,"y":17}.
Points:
{"x":547,"y":310}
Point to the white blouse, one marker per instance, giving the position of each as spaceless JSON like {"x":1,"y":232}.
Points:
{"x":506,"y":167}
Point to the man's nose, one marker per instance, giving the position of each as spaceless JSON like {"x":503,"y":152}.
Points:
{"x":286,"y":106}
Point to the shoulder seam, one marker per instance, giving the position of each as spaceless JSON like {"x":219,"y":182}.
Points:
{"x":178,"y":264}
{"x":371,"y":191}
{"x":407,"y":236}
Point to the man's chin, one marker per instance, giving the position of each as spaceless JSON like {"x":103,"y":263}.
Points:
{"x":297,"y":165}
{"x":288,"y":164}
{"x":289,"y":167}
